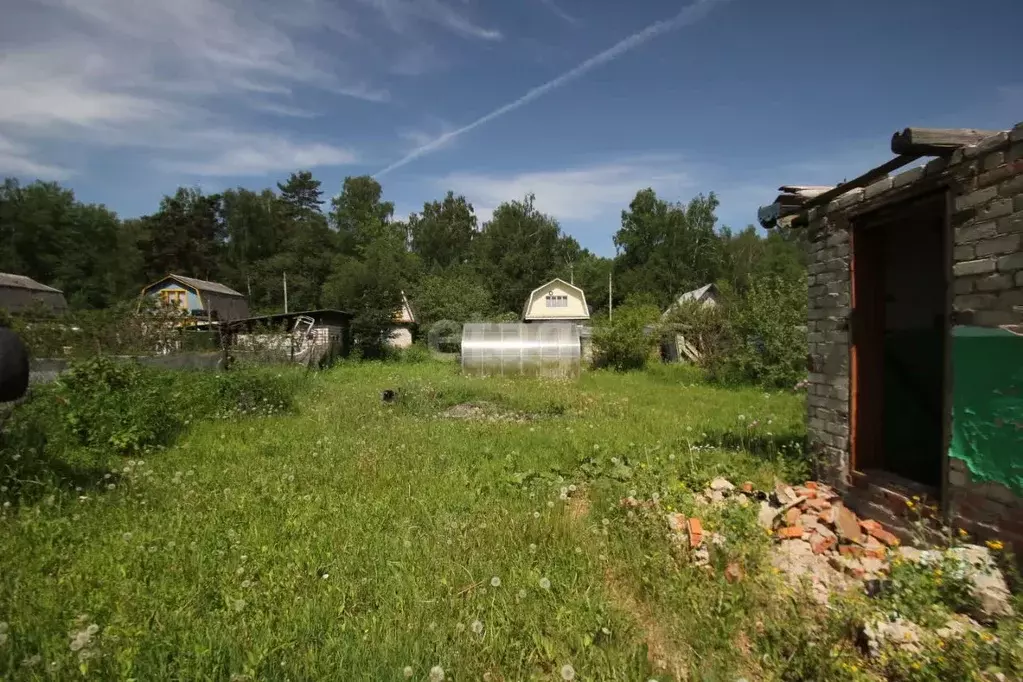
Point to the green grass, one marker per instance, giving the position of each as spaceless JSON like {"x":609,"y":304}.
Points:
{"x":350,"y":539}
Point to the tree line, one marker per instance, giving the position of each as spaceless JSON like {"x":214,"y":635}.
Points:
{"x":353,"y":253}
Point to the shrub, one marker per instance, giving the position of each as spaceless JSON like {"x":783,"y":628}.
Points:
{"x":705,"y":327}
{"x":415,"y":353}
{"x":624,"y":342}
{"x":446,"y":336}
{"x":766,"y":335}
{"x":118,"y":405}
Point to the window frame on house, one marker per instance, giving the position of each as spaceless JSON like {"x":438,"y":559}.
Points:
{"x":553,"y":300}
{"x":175,"y":297}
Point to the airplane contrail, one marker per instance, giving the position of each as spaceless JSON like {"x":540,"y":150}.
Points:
{"x":688,"y":15}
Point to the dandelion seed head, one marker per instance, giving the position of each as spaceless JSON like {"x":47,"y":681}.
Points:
{"x":536,"y":515}
{"x":567,"y":672}
{"x":545,"y":584}
{"x":4,"y":627}
{"x":572,"y":488}
{"x":92,"y":629}
{"x":436,"y":674}
{"x":532,"y":547}
{"x":495,"y":581}
{"x":152,"y":549}
{"x":239,"y":604}
{"x":522,"y":594}
{"x":407,"y":672}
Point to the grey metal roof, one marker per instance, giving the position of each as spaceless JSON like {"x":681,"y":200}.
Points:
{"x":204,"y":285}
{"x":22,"y":282}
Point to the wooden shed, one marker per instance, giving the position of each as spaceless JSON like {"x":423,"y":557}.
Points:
{"x":20,"y":294}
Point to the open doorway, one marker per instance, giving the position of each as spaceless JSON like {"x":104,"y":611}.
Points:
{"x":900,"y":331}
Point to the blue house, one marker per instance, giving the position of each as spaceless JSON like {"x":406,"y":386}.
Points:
{"x":199,"y":299}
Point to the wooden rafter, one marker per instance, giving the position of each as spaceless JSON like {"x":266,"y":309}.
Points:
{"x":936,"y":141}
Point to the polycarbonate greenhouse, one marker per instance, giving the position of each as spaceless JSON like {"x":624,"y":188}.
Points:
{"x":546,"y":349}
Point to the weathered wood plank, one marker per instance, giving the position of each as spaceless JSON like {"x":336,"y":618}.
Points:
{"x":936,"y":141}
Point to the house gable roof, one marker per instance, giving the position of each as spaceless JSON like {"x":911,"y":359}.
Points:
{"x":22,"y":282}
{"x":561,"y":283}
{"x":694,"y":295}
{"x":199,"y":285}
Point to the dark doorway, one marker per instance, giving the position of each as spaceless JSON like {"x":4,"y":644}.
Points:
{"x":900,"y":332}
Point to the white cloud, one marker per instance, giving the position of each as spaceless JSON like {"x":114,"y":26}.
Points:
{"x":402,"y":16}
{"x":233,"y":154}
{"x":560,"y":13}
{"x":15,"y":160}
{"x":148,"y":73}
{"x":583,"y":193}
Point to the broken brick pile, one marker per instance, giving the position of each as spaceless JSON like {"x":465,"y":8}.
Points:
{"x":814,"y":513}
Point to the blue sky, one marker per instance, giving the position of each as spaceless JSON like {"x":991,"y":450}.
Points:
{"x":582,"y":102}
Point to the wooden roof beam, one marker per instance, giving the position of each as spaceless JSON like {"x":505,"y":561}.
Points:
{"x":936,"y":141}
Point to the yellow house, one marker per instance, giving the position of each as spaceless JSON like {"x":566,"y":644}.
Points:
{"x":556,"y":301}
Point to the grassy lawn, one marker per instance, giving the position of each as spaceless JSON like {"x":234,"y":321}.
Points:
{"x":361,"y":541}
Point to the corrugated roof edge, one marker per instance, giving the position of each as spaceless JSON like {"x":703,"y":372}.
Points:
{"x":9,"y":279}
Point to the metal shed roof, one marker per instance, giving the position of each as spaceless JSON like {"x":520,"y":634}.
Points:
{"x":205,"y":285}
{"x":22,"y":282}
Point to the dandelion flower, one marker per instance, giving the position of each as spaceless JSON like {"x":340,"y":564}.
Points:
{"x":545,"y":584}
{"x":476,"y":627}
{"x":436,"y":674}
{"x":567,"y":672}
{"x":495,"y":582}
{"x":996,"y":545}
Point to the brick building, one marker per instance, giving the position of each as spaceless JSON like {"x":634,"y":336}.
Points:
{"x":915,"y":329}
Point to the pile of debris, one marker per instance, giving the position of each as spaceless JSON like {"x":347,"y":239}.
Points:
{"x":821,"y":540}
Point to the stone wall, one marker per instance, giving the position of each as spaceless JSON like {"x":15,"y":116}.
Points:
{"x":985,"y":184}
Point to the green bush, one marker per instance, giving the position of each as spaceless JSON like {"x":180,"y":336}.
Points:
{"x":415,"y":353}
{"x":116,"y":405}
{"x":624,"y":343}
{"x":766,"y":335}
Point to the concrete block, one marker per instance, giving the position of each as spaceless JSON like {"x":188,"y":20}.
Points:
{"x":977,"y":198}
{"x":994,"y":282}
{"x":974,"y":302}
{"x":1011,"y":224}
{"x":975,"y":231}
{"x":993,"y":142}
{"x":1010,"y":299}
{"x":1017,"y":203}
{"x":1012,"y":186}
{"x":975,"y":267}
{"x":965,"y":252}
{"x":848,"y":199}
{"x":878,"y":188}
{"x":1019,"y":278}
{"x":957,"y":478}
{"x":992,"y":161}
{"x":1016,"y":134}
{"x":935,"y":166}
{"x":963,"y":285}
{"x":995,"y":318}
{"x":1009,"y":263}
{"x":1009,"y":243}
{"x":908,"y":177}
{"x":995,"y":209}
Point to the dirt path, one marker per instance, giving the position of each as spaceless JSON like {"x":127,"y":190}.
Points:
{"x":663,"y":654}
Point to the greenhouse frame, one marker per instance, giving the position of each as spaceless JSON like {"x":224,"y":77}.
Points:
{"x":502,"y":349}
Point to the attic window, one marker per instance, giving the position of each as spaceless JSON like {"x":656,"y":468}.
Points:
{"x":555,"y":301}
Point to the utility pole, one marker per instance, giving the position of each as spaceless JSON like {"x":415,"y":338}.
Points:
{"x":285,"y":293}
{"x":610,"y":297}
